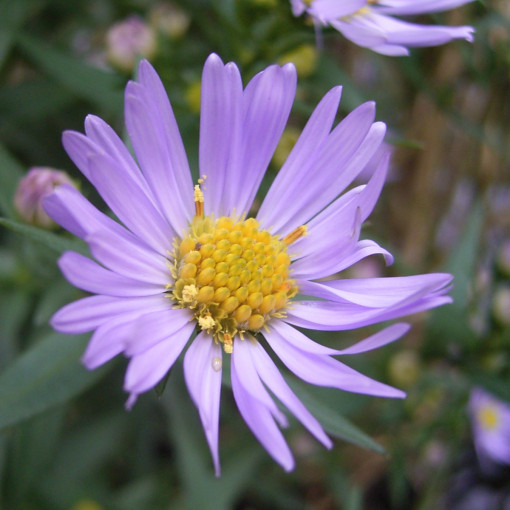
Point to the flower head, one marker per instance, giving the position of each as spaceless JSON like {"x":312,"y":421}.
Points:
{"x":370,"y":23}
{"x":490,"y":420}
{"x":28,"y":199}
{"x":187,"y":257}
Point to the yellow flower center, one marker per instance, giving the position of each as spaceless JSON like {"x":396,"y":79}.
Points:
{"x":488,"y":417}
{"x":233,"y":275}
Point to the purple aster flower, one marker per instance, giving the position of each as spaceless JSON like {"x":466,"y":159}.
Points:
{"x":185,"y":258}
{"x":490,"y":420}
{"x":370,"y":23}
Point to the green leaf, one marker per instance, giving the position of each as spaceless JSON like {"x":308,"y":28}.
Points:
{"x":14,"y":310}
{"x":12,"y":17}
{"x":451,"y":322}
{"x":462,"y":261}
{"x":10,"y":174}
{"x":33,"y":100}
{"x":51,"y":240}
{"x":332,"y":421}
{"x":43,"y":377}
{"x":33,"y":445}
{"x":100,"y":87}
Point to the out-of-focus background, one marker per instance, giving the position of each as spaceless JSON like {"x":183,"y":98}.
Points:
{"x":66,"y":442}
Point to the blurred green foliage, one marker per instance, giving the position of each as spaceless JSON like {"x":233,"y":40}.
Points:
{"x":66,"y":442}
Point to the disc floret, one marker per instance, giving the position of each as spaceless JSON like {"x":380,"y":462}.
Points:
{"x":233,"y":275}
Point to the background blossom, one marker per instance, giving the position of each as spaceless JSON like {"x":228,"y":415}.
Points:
{"x":371,"y":23}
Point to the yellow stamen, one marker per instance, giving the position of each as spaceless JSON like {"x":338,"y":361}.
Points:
{"x":189,"y":293}
{"x":198,"y":197}
{"x":206,"y":322}
{"x":295,"y":235}
{"x":227,"y":344}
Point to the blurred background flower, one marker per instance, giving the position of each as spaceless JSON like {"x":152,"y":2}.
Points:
{"x":129,"y":40}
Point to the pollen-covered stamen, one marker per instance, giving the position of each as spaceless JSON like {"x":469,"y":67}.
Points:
{"x":198,"y":197}
{"x":295,"y":235}
{"x":233,"y":276}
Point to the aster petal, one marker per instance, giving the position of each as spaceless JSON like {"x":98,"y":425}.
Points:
{"x":336,"y":221}
{"x":79,"y":147}
{"x":298,"y":7}
{"x":72,"y":211}
{"x":261,"y":422}
{"x":299,"y":340}
{"x":167,"y":125}
{"x":83,"y":148}
{"x":147,"y":368}
{"x":220,"y":130}
{"x":153,"y":154}
{"x":88,"y":313}
{"x":314,"y":134}
{"x":332,"y":261}
{"x":391,"y":50}
{"x":358,"y":30}
{"x":303,"y":343}
{"x":204,"y":385}
{"x":404,"y":7}
{"x":242,"y":363}
{"x":272,"y":378}
{"x":379,"y":339}
{"x":130,"y":258}
{"x":379,"y":292}
{"x":412,"y":34}
{"x":326,"y":10}
{"x":267,"y":102}
{"x":331,"y":168}
{"x":120,"y":193}
{"x":107,"y":341}
{"x":108,"y":142}
{"x":329,"y":316}
{"x":152,"y":328}
{"x":87,"y":275}
{"x":327,"y":258}
{"x":325,"y":371}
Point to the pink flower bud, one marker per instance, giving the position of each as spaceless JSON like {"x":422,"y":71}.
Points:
{"x":39,"y":182}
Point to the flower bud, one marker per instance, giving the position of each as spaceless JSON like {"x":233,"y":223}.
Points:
{"x":129,"y":40}
{"x":39,"y":182}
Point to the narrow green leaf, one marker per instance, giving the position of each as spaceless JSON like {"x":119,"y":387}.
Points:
{"x":463,"y":259}
{"x":10,"y":175}
{"x":100,"y":87}
{"x":43,"y":377}
{"x":12,"y":17}
{"x":50,"y":239}
{"x":33,"y":100}
{"x":33,"y":445}
{"x":451,"y":321}
{"x":332,"y":421}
